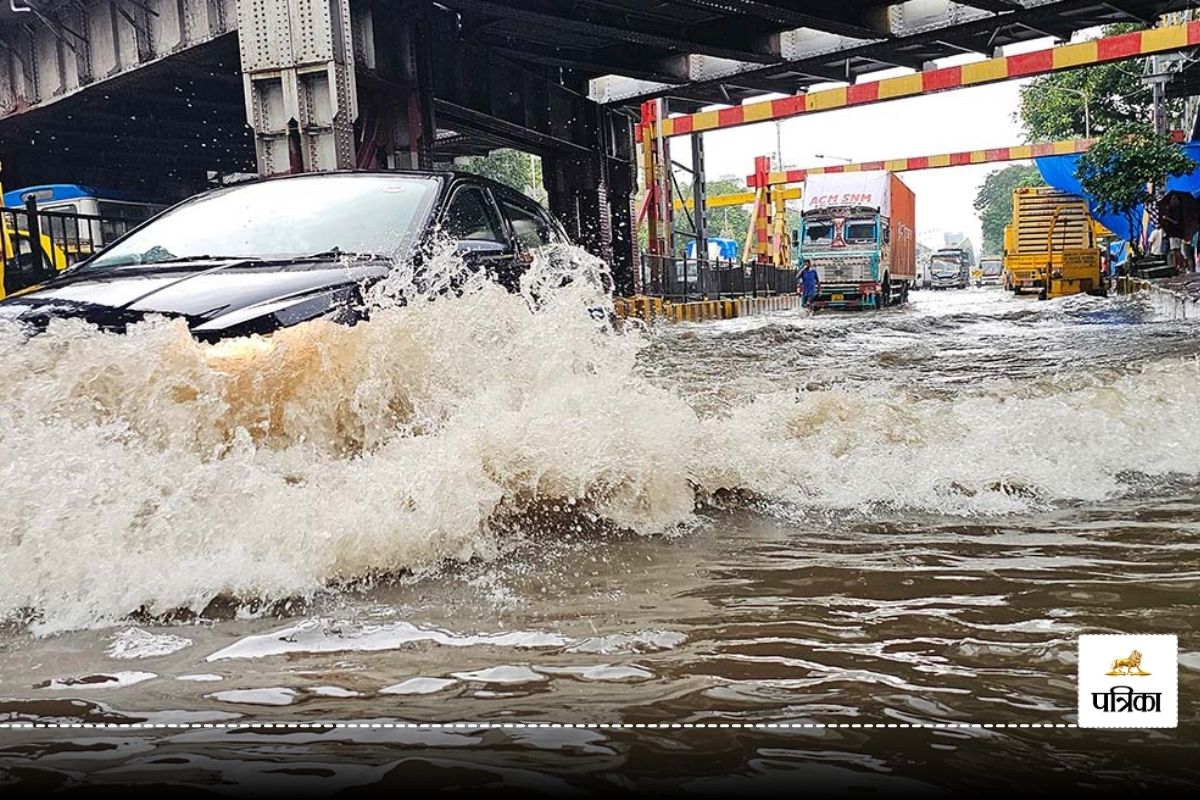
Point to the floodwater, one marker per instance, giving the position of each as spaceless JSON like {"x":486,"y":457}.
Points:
{"x":474,"y":513}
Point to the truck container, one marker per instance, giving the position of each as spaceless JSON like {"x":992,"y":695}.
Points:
{"x":1050,"y":246}
{"x":859,"y":231}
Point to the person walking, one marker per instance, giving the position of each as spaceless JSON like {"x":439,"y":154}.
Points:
{"x":1172,"y":224}
{"x":810,"y":285}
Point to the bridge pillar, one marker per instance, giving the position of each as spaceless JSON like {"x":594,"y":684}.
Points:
{"x":298,"y":65}
{"x":590,"y":192}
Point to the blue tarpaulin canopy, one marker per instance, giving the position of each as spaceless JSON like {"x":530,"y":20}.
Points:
{"x":1059,"y":172}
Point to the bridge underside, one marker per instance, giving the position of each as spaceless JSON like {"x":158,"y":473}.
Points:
{"x":155,"y":95}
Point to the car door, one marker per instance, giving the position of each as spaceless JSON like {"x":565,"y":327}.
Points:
{"x":535,"y":231}
{"x":473,"y":221}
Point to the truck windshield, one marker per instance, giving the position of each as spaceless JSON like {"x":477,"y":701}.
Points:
{"x":992,"y":268}
{"x":818,"y":231}
{"x":860,"y":230}
{"x":280,"y":219}
{"x":945,"y":269}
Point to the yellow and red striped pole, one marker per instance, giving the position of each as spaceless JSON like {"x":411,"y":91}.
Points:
{"x":1021,"y":152}
{"x":1166,"y":39}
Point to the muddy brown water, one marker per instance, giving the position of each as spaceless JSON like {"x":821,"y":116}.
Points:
{"x":940,"y":499}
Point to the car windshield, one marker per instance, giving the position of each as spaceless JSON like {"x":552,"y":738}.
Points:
{"x":280,"y":219}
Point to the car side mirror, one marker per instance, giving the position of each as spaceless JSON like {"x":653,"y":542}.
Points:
{"x":476,"y":250}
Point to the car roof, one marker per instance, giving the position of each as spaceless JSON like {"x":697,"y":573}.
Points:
{"x":447,"y":176}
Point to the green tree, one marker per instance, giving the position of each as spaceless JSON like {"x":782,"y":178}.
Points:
{"x":994,"y":202}
{"x":1053,"y":106}
{"x":1119,"y":171}
{"x":514,"y":168}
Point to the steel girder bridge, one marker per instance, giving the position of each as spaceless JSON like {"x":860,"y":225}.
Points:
{"x":160,"y":93}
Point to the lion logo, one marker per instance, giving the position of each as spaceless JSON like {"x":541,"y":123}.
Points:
{"x":1128,"y":666}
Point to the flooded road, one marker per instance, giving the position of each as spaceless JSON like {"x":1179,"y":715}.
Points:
{"x":834,"y":523}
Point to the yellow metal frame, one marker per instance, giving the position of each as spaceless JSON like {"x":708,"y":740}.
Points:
{"x":9,"y":251}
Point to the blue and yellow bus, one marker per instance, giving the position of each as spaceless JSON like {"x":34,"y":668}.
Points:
{"x":75,"y":221}
{"x":119,"y":212}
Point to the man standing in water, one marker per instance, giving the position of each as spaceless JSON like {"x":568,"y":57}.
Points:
{"x":810,"y":284}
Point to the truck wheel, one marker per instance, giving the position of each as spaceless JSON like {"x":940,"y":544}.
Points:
{"x":904,"y":287}
{"x":885,"y":293}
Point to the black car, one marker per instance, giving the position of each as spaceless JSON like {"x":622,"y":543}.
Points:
{"x":259,"y":256}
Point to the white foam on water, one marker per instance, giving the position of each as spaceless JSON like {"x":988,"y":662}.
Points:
{"x":648,"y":641}
{"x":203,"y":677}
{"x":325,"y":636}
{"x":325,"y":454}
{"x":502,"y":675}
{"x":332,"y":691}
{"x":615,"y":673}
{"x":274,"y":696}
{"x":419,"y":686}
{"x":141,"y":643}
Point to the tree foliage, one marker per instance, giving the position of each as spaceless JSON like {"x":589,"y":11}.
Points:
{"x":1119,"y":171}
{"x":514,"y":168}
{"x":1052,"y":106}
{"x":994,"y":202}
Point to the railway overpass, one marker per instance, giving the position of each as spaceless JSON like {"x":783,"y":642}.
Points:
{"x":156,"y":94}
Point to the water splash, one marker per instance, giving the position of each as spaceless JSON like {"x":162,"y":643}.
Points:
{"x":150,"y":473}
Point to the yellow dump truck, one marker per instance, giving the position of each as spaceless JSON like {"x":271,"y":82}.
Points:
{"x":1051,"y":245}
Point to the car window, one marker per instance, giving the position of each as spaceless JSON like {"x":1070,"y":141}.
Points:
{"x":531,"y":228}
{"x":554,"y":230}
{"x":472,"y":217}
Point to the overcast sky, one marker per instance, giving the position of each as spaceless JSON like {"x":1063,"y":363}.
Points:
{"x":964,"y":119}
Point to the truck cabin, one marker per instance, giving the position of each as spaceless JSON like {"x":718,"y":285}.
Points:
{"x":837,"y":228}
{"x":948,"y":267}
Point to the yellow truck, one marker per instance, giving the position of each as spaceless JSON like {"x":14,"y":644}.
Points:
{"x":1051,"y":245}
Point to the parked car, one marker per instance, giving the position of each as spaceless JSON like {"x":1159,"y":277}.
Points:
{"x":255,"y":257}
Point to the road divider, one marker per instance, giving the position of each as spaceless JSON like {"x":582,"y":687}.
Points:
{"x":656,"y":309}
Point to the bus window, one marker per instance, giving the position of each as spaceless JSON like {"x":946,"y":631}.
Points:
{"x":120,"y":218}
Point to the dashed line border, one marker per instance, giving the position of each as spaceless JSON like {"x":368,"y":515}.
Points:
{"x":530,"y":725}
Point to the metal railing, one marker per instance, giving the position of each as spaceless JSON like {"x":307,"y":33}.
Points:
{"x":36,"y":244}
{"x":685,"y":279}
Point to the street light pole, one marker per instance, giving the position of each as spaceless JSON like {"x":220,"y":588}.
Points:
{"x":1087,"y":107}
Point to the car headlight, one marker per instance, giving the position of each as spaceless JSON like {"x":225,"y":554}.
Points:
{"x":237,"y":352}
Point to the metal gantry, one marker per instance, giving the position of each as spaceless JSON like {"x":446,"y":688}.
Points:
{"x":767,"y":240}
